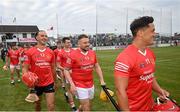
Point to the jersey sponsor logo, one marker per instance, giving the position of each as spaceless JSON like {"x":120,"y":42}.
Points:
{"x":14,"y":56}
{"x":87,"y":67}
{"x":147,"y":78}
{"x":121,"y":67}
{"x":42,"y":63}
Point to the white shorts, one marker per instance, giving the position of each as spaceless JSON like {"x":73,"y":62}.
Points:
{"x":22,"y":58}
{"x":85,"y":93}
{"x":58,"y":70}
{"x":15,"y":67}
{"x":66,"y":81}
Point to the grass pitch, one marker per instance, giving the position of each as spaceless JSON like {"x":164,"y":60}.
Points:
{"x":167,"y":73}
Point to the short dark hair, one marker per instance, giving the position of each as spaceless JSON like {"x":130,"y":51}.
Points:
{"x":59,"y":42}
{"x":26,"y":45}
{"x":65,"y":38}
{"x":139,"y":23}
{"x":82,"y":36}
{"x":13,"y":44}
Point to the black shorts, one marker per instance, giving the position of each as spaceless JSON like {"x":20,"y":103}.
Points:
{"x":45,"y":89}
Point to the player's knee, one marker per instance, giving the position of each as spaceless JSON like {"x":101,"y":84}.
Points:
{"x":38,"y":103}
{"x":51,"y":107}
{"x":12,"y":71}
{"x":38,"y":106}
{"x":86,"y":107}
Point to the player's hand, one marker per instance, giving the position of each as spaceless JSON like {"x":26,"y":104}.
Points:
{"x":102,"y":83}
{"x":73,"y":89}
{"x":70,"y":71}
{"x":5,"y":67}
{"x":163,"y":95}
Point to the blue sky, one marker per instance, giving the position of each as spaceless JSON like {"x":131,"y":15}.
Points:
{"x":75,"y":15}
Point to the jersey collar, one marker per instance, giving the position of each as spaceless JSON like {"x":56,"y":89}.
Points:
{"x":41,"y":50}
{"x":67,"y":50}
{"x":144,"y":54}
{"x":83,"y":52}
{"x":58,"y":49}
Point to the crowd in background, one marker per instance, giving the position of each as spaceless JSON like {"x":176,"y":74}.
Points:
{"x":121,"y":40}
{"x":108,"y":39}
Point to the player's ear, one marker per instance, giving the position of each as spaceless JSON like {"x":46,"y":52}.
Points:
{"x":78,"y":43}
{"x":140,"y":32}
{"x":37,"y":38}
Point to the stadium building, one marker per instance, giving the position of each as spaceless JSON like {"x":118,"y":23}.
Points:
{"x":18,"y":33}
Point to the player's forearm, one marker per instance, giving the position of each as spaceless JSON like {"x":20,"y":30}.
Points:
{"x":156,"y":86}
{"x":24,"y":69}
{"x":122,"y":100}
{"x":53,"y":72}
{"x":100,"y":74}
{"x":19,"y":60}
{"x":68,"y":77}
{"x":59,"y":66}
{"x":7,"y":61}
{"x":121,"y":84}
{"x":101,"y":79}
{"x":54,"y":76}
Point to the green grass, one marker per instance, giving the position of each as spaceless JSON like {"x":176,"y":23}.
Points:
{"x":167,"y":74}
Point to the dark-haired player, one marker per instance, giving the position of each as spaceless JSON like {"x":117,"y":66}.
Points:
{"x":61,"y":60}
{"x":135,"y":67}
{"x":82,"y":62}
{"x":13,"y":56}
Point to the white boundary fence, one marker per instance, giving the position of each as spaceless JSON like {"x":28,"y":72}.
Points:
{"x":121,"y":47}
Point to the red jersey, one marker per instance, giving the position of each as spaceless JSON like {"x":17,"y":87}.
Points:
{"x":139,"y":68}
{"x":40,"y":62}
{"x":23,"y":52}
{"x":56,"y":51}
{"x":20,"y":49}
{"x":82,"y":66}
{"x":63,"y":56}
{"x":14,"y":56}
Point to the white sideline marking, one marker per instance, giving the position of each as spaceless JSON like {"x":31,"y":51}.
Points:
{"x":103,"y":67}
{"x":164,"y":60}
